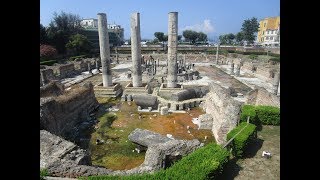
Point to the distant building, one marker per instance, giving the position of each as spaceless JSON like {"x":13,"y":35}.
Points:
{"x":116,"y":33}
{"x":269,"y":31}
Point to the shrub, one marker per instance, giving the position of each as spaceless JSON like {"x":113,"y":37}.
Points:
{"x":276,"y":59}
{"x":48,"y":63}
{"x":241,"y":141}
{"x":75,"y":57}
{"x":47,"y":51}
{"x":43,"y":173}
{"x":253,"y":56}
{"x":268,"y":115}
{"x":204,"y":163}
{"x":248,"y":110}
{"x":274,"y":55}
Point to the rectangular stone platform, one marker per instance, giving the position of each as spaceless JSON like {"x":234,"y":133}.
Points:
{"x":166,"y":92}
{"x":113,"y":91}
{"x":144,"y":89}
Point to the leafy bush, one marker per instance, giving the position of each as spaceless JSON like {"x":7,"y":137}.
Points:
{"x":252,"y":53}
{"x":248,"y":110}
{"x":241,"y":141}
{"x":75,"y":57}
{"x":268,"y":115}
{"x":47,"y":51}
{"x":204,"y":163}
{"x":231,"y":51}
{"x":48,"y":63}
{"x":253,"y":56}
{"x":276,"y":59}
{"x":274,"y":55}
{"x":43,"y":173}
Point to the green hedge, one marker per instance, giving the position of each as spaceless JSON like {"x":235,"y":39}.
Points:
{"x":258,"y":53}
{"x":241,"y":141}
{"x":248,"y":110}
{"x":43,"y":173}
{"x":75,"y":57}
{"x":48,"y":63}
{"x":267,"y":115}
{"x":277,"y":59}
{"x":204,"y":163}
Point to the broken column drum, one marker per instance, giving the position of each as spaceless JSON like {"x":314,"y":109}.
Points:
{"x":217,"y":53}
{"x":172,"y":49}
{"x":104,"y":50}
{"x":275,"y":84}
{"x":232,"y":69}
{"x":136,"y":50}
{"x":237,"y":70}
{"x":97,"y":65}
{"x":89,"y":67}
{"x":43,"y":79}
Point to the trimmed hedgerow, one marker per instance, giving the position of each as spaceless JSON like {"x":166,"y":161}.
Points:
{"x":248,"y":110}
{"x":268,"y":115}
{"x":75,"y":57}
{"x":43,"y":173}
{"x":276,"y":59}
{"x":48,"y":63}
{"x":241,"y":141}
{"x":204,"y":163}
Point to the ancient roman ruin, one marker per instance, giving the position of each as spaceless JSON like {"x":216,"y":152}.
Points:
{"x":158,"y":81}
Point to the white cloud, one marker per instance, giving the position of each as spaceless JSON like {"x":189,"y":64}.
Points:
{"x":205,"y":27}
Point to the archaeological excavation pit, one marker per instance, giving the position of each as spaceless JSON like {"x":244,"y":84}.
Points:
{"x":117,"y":152}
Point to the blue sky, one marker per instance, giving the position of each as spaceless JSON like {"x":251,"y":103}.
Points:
{"x":214,"y":17}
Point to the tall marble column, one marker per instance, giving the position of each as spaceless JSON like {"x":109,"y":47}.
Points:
{"x":104,"y":50}
{"x":172,"y":49}
{"x":136,"y":50}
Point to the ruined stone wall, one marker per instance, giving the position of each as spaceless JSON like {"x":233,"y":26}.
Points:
{"x":66,"y":70}
{"x":54,"y":88}
{"x":266,"y":72}
{"x":223,"y":110}
{"x":62,"y":114}
{"x":260,"y":96}
{"x":81,"y":66}
{"x":64,"y":158}
{"x":47,"y":75}
{"x":249,"y":66}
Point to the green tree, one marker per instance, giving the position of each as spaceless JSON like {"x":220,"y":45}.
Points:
{"x":165,"y":37}
{"x":159,"y":36}
{"x":227,"y":39}
{"x":79,"y":44}
{"x":190,"y":36}
{"x":179,"y":37}
{"x":230,"y":38}
{"x":249,"y":28}
{"x":43,"y":35}
{"x":239,"y":38}
{"x":223,"y":39}
{"x":61,"y":27}
{"x":202,"y":37}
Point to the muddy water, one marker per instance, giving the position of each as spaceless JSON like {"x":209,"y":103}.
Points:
{"x":117,"y":151}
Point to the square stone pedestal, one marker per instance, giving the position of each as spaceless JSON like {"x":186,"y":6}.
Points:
{"x":112,"y":91}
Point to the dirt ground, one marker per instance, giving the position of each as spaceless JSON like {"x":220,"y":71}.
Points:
{"x":254,"y":166}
